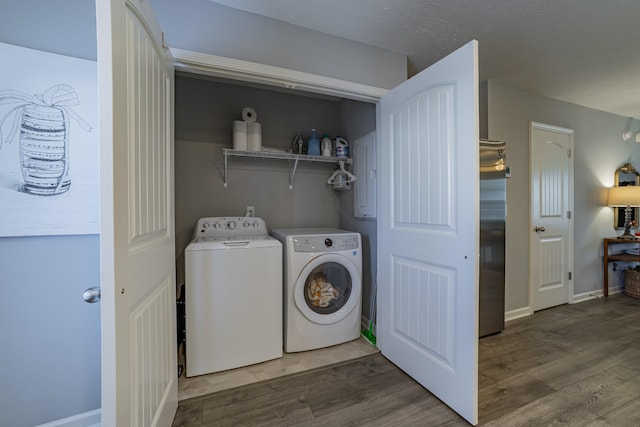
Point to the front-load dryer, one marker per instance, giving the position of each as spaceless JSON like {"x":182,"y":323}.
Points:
{"x":322,"y":287}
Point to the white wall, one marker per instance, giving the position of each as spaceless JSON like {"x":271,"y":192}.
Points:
{"x":206,"y":27}
{"x":598,"y":152}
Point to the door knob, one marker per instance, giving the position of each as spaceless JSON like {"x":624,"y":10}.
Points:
{"x":91,"y":295}
{"x":539,"y":229}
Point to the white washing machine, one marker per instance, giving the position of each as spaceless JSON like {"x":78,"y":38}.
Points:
{"x":233,"y":295}
{"x":322,"y":287}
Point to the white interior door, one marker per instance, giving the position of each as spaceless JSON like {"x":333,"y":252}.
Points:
{"x":139,"y":369}
{"x":551,"y":204}
{"x":428,"y":229}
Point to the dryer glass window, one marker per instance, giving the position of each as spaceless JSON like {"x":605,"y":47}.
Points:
{"x":327,"y":288}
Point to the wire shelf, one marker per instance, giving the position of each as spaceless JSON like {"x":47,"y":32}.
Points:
{"x":277,"y":155}
{"x":283,"y":156}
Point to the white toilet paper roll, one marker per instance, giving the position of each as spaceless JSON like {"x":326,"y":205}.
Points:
{"x":254,"y":136}
{"x":239,"y":135}
{"x":249,"y":115}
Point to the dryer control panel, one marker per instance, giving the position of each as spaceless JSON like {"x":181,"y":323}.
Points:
{"x":230,"y":226}
{"x":334,"y":243}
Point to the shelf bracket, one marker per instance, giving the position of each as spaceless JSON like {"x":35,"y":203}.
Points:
{"x":293,"y":173}
{"x":225,"y":169}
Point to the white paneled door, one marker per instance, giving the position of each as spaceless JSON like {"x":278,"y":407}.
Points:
{"x":428,"y":238}
{"x":139,"y":374}
{"x":551,"y":240}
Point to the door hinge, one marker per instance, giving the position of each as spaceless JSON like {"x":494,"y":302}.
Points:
{"x":569,"y":152}
{"x":165,"y":46}
{"x":569,"y":275}
{"x":568,"y":214}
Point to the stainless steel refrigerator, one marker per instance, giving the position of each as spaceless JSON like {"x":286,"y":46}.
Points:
{"x":493,"y":210}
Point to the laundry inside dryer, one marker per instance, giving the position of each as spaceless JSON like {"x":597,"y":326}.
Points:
{"x":328,"y":288}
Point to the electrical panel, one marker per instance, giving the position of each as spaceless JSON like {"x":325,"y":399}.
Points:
{"x":364,"y":167}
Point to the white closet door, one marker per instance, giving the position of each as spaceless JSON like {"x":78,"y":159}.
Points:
{"x":551,"y":232}
{"x":428,"y":238}
{"x":139,"y":381}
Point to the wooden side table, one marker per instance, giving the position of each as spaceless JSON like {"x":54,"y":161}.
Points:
{"x":616,"y":257}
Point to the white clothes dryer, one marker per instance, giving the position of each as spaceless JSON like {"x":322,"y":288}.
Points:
{"x":233,"y":295}
{"x":322,"y":287}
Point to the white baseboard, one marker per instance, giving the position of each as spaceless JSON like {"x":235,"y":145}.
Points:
{"x":86,"y":419}
{"x":616,"y":290}
{"x":577,"y":298}
{"x":517,"y":313}
{"x":586,"y":296}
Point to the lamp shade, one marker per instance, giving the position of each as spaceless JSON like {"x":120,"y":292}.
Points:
{"x":624,"y":196}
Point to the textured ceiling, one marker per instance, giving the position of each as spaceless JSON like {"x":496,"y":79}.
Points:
{"x":582,"y":51}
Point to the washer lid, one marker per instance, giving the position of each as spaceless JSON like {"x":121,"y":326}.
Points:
{"x":206,"y":243}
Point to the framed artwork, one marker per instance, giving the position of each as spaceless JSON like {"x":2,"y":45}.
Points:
{"x":49,"y":144}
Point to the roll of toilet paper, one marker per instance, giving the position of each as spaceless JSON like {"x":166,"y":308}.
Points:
{"x":249,"y":115}
{"x":239,"y":135}
{"x":254,"y":136}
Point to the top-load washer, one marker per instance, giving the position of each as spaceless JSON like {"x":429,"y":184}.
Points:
{"x":322,"y":287}
{"x":233,"y":295}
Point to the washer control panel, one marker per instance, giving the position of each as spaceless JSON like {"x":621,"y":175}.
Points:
{"x":325,"y":243}
{"x":230,"y":226}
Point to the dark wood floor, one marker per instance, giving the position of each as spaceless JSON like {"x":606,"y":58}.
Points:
{"x":570,"y":365}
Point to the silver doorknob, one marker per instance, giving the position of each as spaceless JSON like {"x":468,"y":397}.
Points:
{"x":539,"y":229}
{"x":91,"y":295}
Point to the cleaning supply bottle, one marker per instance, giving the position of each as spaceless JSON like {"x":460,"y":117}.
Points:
{"x":325,"y":145}
{"x":313,"y":144}
{"x":342,"y":147}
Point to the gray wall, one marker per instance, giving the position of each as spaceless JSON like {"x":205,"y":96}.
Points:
{"x":50,"y":353}
{"x":359,"y":120}
{"x":206,"y":27}
{"x":67,"y":27}
{"x":205,"y":110}
{"x":598,"y":151}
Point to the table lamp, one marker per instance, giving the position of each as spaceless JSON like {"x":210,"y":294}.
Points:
{"x":625,"y":197}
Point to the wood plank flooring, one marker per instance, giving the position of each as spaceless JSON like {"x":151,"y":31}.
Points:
{"x":570,"y":365}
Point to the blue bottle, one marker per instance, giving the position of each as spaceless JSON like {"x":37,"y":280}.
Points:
{"x":313,"y":144}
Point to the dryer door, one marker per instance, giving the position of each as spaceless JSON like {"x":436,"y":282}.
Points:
{"x":328,"y":289}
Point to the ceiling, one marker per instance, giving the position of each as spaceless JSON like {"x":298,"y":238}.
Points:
{"x":586,"y":52}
